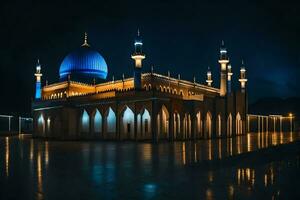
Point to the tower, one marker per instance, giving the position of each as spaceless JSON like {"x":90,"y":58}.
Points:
{"x":138,"y":57}
{"x":223,"y":60}
{"x":243,"y":79}
{"x":38,"y":76}
{"x":229,"y":75}
{"x":209,"y":78}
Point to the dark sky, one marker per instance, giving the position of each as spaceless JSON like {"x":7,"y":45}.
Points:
{"x":180,"y":36}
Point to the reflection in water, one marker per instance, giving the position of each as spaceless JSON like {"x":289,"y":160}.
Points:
{"x":183,"y":153}
{"x":209,"y":194}
{"x":179,"y":170}
{"x":39,"y":175}
{"x":46,"y":153}
{"x":230,"y":192}
{"x":245,"y":176}
{"x":220,"y":149}
{"x":31,"y":149}
{"x":7,"y":156}
{"x":209,"y":150}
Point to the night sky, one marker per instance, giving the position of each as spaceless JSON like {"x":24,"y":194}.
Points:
{"x":181,"y":36}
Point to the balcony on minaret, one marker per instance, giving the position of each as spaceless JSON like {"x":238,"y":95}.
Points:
{"x":243,"y":80}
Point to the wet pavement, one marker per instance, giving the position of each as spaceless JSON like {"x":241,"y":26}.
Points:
{"x":254,"y":166}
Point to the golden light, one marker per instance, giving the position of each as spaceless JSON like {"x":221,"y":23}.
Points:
{"x":290,"y":114}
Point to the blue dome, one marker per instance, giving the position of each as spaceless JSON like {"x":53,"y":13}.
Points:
{"x":83,"y":62}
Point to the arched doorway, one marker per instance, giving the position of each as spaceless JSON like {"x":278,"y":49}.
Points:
{"x":199,"y":124}
{"x":229,"y":125}
{"x":97,"y":122}
{"x":49,"y":126}
{"x":128,"y":123}
{"x":176,"y":125}
{"x":187,"y":126}
{"x":146,"y":124}
{"x":163,"y":123}
{"x":111,"y":122}
{"x":219,"y":126}
{"x":41,"y":124}
{"x":208,"y":125}
{"x":238,"y":124}
{"x":85,"y":122}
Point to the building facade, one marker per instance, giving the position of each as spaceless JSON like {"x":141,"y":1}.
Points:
{"x":148,"y":106}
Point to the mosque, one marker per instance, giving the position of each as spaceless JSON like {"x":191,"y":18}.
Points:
{"x":83,"y":104}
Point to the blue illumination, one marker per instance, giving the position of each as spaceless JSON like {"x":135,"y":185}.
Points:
{"x":111,"y":121}
{"x":150,"y":189}
{"x":85,"y":122}
{"x":84,"y":61}
{"x":97,"y":122}
{"x":38,"y":91}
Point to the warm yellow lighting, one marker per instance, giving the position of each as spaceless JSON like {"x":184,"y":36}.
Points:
{"x":290,"y":114}
{"x":7,"y":156}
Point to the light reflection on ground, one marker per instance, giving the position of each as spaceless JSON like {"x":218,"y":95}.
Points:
{"x":206,"y":169}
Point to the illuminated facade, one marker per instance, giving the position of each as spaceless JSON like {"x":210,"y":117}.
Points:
{"x":148,"y":106}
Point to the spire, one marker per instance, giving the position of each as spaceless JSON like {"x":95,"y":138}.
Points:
{"x":138,"y":56}
{"x":209,"y":77}
{"x":223,"y":60}
{"x":243,"y":80}
{"x":229,"y":75}
{"x":223,"y":51}
{"x":38,"y":67}
{"x":85,"y":43}
{"x":138,"y":43}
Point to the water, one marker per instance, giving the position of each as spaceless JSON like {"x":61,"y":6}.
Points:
{"x":206,"y":169}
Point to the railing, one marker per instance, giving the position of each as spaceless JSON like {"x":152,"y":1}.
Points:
{"x":264,"y":123}
{"x":15,"y":124}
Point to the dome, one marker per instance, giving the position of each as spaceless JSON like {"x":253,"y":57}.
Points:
{"x":83,"y":62}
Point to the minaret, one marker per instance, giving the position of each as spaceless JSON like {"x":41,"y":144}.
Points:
{"x":138,"y":57}
{"x":38,"y":86}
{"x":229,"y":75}
{"x":243,"y":79}
{"x":85,"y":42}
{"x":223,"y":61}
{"x":209,"y":79}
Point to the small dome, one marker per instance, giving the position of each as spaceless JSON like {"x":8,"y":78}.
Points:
{"x":83,"y":62}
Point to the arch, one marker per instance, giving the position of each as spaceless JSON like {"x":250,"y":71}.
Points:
{"x":219,"y":126}
{"x":199,"y":124}
{"x":128,"y":123}
{"x":97,"y":122}
{"x":41,"y":124}
{"x":229,"y":125}
{"x":181,"y":92}
{"x":146,"y":124}
{"x":163,"y":123}
{"x":168,"y":89}
{"x":160,"y":88}
{"x":85,"y":122}
{"x":139,"y":126}
{"x":49,"y":125}
{"x":145,"y":87}
{"x":111,"y":121}
{"x":208,"y":125}
{"x":176,"y":124}
{"x":238,"y":124}
{"x":149,"y":87}
{"x":187,"y":126}
{"x":174,"y":91}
